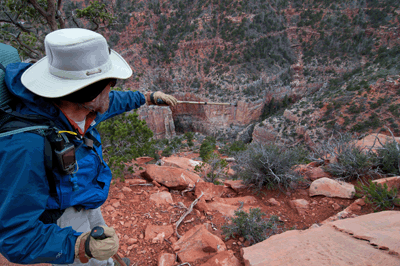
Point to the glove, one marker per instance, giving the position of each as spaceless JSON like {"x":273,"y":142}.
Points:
{"x":153,"y":97}
{"x":100,"y":249}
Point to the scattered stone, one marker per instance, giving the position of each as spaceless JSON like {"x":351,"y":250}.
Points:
{"x":161,"y":198}
{"x":135,"y":181}
{"x":235,"y":184}
{"x":126,"y":189}
{"x":332,"y":188}
{"x":180,"y":162}
{"x":336,"y":206}
{"x":224,"y":258}
{"x":316,"y":173}
{"x":132,"y":241}
{"x":171,"y":177}
{"x":142,"y":160}
{"x":116,"y":204}
{"x":209,"y":189}
{"x":301,"y":205}
{"x":202,"y":205}
{"x":152,"y":231}
{"x":119,"y":196}
{"x":109,"y":208}
{"x":237,"y":200}
{"x":273,"y":202}
{"x":166,"y":259}
{"x":159,"y":238}
{"x":190,"y":246}
{"x":360,"y":202}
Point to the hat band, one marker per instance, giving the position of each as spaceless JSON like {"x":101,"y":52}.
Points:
{"x":81,"y":74}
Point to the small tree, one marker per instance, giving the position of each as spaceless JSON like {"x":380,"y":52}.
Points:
{"x":378,"y":195}
{"x":125,"y":137}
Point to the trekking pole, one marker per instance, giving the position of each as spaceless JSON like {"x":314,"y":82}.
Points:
{"x":98,"y":233}
{"x":159,"y":101}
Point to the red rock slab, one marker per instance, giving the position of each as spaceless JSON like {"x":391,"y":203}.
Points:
{"x":322,"y":246}
{"x":237,"y":200}
{"x":391,"y":182}
{"x":235,"y":184}
{"x":381,"y":229}
{"x":181,"y":162}
{"x":171,"y":177}
{"x":190,"y":246}
{"x":225,"y":209}
{"x":209,"y":190}
{"x":142,"y":160}
{"x":225,"y":258}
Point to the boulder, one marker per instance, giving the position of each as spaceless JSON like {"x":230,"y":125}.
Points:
{"x":332,"y":188}
{"x":171,"y":177}
{"x":190,"y":246}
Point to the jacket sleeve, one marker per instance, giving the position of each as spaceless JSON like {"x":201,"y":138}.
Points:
{"x":123,"y":101}
{"x":24,"y":191}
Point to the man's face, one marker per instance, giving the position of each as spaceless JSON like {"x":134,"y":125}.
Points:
{"x":101,"y":102}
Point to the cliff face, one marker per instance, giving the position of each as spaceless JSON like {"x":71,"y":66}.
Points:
{"x":218,"y":120}
{"x":262,"y":57}
{"x":159,"y":120}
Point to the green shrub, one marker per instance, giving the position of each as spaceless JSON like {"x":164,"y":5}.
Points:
{"x":124,"y":137}
{"x":217,"y":168}
{"x":251,"y":226}
{"x":207,"y":147}
{"x":351,"y":162}
{"x":189,"y":137}
{"x":269,"y":165}
{"x":378,"y":195}
{"x":235,"y":147}
{"x":388,"y":158}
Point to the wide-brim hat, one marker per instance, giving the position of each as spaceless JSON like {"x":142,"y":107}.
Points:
{"x":75,"y":58}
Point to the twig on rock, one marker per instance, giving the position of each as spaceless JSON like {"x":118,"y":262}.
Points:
{"x":188,"y":189}
{"x":189,"y":211}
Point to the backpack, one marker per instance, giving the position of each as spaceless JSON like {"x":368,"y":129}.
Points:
{"x":12,"y":122}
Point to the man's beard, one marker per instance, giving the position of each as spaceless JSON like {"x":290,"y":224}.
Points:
{"x":101,"y":103}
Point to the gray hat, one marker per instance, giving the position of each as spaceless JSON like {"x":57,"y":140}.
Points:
{"x":75,"y":58}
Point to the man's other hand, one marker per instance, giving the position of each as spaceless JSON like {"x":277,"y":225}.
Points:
{"x":160,"y":98}
{"x":100,"y":249}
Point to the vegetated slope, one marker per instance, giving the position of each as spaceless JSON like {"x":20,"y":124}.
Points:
{"x":336,"y":56}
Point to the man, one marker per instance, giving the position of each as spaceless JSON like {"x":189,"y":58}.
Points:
{"x":47,"y":217}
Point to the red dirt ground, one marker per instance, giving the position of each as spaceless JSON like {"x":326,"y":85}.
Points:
{"x":135,"y":212}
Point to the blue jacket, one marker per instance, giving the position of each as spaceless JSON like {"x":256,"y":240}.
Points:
{"x":24,"y":189}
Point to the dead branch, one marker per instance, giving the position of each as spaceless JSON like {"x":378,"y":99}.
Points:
{"x":189,"y":211}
